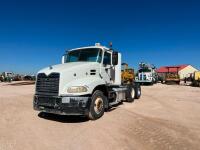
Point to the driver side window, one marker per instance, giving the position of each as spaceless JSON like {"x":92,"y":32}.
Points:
{"x":107,"y":58}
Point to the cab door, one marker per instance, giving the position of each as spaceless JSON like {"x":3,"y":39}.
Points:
{"x":107,"y":67}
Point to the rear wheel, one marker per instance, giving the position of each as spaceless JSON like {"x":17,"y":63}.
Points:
{"x":130,"y":96}
{"x":138,"y":91}
{"x":97,"y":106}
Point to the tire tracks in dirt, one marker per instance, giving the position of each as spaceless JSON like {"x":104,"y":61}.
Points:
{"x":154,"y":133}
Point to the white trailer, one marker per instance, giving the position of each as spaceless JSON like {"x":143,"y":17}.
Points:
{"x":88,"y":82}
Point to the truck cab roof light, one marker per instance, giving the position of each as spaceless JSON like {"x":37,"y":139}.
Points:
{"x":97,"y":44}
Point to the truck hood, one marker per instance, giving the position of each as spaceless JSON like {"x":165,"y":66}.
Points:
{"x":66,"y":67}
{"x":74,"y":74}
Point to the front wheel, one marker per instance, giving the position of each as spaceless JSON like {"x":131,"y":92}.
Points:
{"x":97,"y":106}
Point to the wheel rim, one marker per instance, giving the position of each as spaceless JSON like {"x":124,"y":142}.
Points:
{"x":133,"y":93}
{"x":98,"y":105}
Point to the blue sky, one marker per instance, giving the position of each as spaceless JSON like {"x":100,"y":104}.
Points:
{"x":34,"y":34}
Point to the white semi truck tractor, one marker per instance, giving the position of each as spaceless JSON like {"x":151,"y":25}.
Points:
{"x":88,"y":82}
{"x":146,"y":74}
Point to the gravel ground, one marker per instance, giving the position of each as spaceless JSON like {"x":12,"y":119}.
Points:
{"x":166,"y":117}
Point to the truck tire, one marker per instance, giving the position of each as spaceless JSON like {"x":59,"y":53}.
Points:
{"x":130,"y":95}
{"x":138,"y":91}
{"x":97,"y":106}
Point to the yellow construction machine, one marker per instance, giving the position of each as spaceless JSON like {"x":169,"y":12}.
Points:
{"x":127,"y":74}
{"x":172,"y":77}
{"x":196,"y":78}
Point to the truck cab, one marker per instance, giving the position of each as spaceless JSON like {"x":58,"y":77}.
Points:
{"x":7,"y":76}
{"x":146,"y":74}
{"x":87,"y":82}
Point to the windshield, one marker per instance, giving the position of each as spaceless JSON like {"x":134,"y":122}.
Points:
{"x":88,"y":55}
{"x":145,"y":70}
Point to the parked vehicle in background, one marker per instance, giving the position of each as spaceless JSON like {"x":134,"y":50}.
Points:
{"x":196,"y":79}
{"x":172,"y":77}
{"x":7,"y":76}
{"x":146,"y":74}
{"x":88,"y":82}
{"x":17,"y":77}
{"x":1,"y":78}
{"x":29,"y":77}
{"x":10,"y":76}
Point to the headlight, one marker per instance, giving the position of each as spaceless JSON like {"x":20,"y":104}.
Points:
{"x":76,"y":89}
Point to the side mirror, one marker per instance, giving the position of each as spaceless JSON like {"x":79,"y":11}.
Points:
{"x":115,"y":58}
{"x":63,"y":59}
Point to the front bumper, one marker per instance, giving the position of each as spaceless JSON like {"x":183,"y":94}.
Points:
{"x":144,"y":81}
{"x":69,"y":105}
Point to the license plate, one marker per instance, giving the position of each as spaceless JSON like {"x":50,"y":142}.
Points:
{"x":66,"y":100}
{"x":46,"y":101}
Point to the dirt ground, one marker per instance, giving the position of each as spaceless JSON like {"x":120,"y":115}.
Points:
{"x":166,"y":117}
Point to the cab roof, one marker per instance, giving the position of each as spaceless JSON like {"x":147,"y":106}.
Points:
{"x":97,"y":45}
{"x":101,"y":47}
